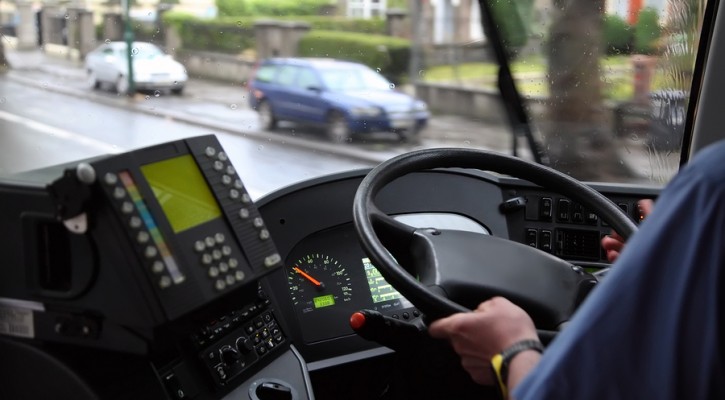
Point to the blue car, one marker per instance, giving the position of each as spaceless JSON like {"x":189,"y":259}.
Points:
{"x":345,"y":98}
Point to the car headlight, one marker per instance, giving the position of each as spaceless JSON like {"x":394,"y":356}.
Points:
{"x":365,"y":111}
{"x":420,"y":106}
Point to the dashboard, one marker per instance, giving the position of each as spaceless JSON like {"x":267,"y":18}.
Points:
{"x":312,"y":227}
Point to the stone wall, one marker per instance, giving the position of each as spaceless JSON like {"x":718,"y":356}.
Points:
{"x":216,"y":66}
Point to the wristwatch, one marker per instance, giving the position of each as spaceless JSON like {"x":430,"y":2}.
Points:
{"x":500,"y":362}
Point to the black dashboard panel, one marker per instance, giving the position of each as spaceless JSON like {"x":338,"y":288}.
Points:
{"x":311,"y":224}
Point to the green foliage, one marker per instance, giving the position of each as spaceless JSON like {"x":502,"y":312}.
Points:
{"x":617,"y":35}
{"x":277,"y":8}
{"x":647,"y":31}
{"x":226,"y":36}
{"x":236,"y":34}
{"x":387,"y":54}
{"x":513,"y":19}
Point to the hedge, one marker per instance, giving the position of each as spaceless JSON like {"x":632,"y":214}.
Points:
{"x":389,"y":55}
{"x":617,"y":35}
{"x":647,"y":31}
{"x":233,"y":8}
{"x":236,"y":34}
{"x":225,"y":36}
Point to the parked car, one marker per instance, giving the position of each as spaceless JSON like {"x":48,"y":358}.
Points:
{"x":668,"y":119}
{"x":152,"y":68}
{"x":346,"y":98}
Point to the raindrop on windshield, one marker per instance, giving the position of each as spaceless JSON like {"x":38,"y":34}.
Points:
{"x":67,"y":16}
{"x":233,"y":106}
{"x":392,"y":86}
{"x":148,"y":97}
{"x":239,"y":23}
{"x":260,"y":147}
{"x":634,"y":137}
{"x":157,"y":93}
{"x":134,"y":51}
{"x":377,"y":69}
{"x":108,"y":41}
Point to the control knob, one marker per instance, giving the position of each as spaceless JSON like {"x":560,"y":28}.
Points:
{"x":244,"y":345}
{"x":229,"y":354}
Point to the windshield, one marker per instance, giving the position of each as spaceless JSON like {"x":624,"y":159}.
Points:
{"x":603,"y":86}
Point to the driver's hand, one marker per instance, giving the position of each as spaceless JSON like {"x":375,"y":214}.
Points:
{"x":477,"y":336}
{"x":613,"y":243}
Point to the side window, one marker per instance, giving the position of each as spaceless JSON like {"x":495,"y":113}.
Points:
{"x":266,"y":73}
{"x":307,"y":78}
{"x":286,"y":75}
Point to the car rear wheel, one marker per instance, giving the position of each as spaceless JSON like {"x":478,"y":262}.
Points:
{"x":266,"y":116}
{"x":122,"y":85}
{"x":92,"y":80}
{"x":338,"y":129}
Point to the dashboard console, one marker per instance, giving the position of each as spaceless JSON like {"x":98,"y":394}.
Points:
{"x":156,"y":264}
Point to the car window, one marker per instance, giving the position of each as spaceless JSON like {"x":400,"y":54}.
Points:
{"x":341,"y":79}
{"x":266,"y":73}
{"x":286,"y":75}
{"x":306,"y":78}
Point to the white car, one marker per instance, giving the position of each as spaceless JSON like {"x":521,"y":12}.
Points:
{"x":152,"y":68}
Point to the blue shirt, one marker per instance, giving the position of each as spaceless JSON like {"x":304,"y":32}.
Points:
{"x":653,"y":329}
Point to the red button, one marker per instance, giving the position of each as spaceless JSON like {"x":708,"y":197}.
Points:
{"x":357,"y":320}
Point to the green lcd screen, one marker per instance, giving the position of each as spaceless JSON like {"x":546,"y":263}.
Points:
{"x":324,"y":301}
{"x":182,"y":192}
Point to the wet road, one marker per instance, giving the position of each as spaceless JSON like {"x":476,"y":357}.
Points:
{"x":39,"y":128}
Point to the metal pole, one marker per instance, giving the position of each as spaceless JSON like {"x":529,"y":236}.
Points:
{"x":128,"y":37}
{"x":416,"y":25}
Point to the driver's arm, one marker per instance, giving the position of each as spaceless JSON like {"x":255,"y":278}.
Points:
{"x":479,"y":335}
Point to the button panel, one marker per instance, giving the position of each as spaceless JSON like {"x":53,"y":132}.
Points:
{"x":234,"y":342}
{"x":239,"y":207}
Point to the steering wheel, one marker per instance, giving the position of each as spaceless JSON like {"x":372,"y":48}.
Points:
{"x":448,"y":271}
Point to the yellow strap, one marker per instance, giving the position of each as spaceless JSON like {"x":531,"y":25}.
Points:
{"x":497,"y":363}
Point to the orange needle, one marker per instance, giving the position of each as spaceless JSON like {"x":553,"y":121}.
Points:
{"x":308,"y":277}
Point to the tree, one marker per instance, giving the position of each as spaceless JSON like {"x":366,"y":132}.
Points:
{"x":4,"y":65}
{"x":577,"y":120}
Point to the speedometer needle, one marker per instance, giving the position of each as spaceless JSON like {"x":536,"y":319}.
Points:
{"x":308,"y":277}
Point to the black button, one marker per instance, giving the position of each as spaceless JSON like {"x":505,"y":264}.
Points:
{"x":531,"y":237}
{"x":545,"y":208}
{"x":545,"y":241}
{"x":562,"y":209}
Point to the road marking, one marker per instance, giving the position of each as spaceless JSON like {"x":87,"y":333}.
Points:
{"x":61,"y":133}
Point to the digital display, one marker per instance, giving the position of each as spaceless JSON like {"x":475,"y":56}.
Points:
{"x":380,"y":289}
{"x":182,"y":192}
{"x":324,"y":301}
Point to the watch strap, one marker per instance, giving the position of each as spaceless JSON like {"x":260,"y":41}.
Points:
{"x":500,"y":362}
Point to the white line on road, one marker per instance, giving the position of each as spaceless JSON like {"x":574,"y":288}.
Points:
{"x":61,"y":133}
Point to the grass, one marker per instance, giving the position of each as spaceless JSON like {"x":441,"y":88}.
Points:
{"x":530,"y":75}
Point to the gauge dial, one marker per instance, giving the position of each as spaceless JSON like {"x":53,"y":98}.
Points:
{"x":318,"y":281}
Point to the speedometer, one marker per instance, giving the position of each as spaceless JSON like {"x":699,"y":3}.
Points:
{"x":317,"y":281}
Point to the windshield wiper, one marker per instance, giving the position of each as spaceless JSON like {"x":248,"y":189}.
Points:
{"x":513,"y":103}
